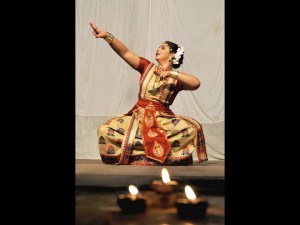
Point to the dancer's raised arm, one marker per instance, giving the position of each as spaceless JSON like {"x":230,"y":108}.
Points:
{"x":129,"y":57}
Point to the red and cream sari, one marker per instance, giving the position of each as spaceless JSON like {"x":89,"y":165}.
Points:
{"x":150,"y":133}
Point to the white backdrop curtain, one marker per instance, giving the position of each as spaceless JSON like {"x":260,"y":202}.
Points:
{"x":106,"y":86}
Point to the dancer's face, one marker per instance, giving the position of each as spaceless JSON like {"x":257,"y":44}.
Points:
{"x":163,"y":52}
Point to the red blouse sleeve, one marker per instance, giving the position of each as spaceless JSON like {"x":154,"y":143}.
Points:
{"x":179,"y":86}
{"x":143,"y":65}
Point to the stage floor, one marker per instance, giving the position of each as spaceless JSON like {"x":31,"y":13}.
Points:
{"x":96,"y":173}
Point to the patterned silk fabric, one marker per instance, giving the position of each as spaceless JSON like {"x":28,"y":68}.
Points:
{"x":150,"y":133}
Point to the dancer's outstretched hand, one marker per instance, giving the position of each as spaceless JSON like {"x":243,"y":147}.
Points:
{"x":99,"y":33}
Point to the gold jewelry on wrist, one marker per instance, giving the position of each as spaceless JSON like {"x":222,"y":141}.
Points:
{"x":109,"y":38}
{"x":174,"y":74}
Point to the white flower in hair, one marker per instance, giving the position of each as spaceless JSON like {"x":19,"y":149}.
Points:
{"x":178,"y":54}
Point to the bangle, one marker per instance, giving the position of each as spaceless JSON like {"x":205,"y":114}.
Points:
{"x":109,"y":38}
{"x":174,"y":74}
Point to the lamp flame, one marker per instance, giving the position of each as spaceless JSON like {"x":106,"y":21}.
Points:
{"x":190,"y":194}
{"x":133,"y":190}
{"x":165,"y":176}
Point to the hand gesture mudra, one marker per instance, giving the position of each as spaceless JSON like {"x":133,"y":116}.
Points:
{"x":161,"y":73}
{"x":164,"y":74}
{"x":98,"y":32}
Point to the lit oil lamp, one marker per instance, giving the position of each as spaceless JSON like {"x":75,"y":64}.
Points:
{"x":166,"y":185}
{"x":165,"y":189}
{"x":191,"y":207}
{"x":133,"y":202}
